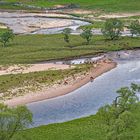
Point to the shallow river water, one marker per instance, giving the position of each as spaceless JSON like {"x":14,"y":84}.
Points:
{"x":88,"y":99}
{"x":33,"y":23}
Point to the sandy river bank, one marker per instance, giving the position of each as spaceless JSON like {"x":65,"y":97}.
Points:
{"x":63,"y":89}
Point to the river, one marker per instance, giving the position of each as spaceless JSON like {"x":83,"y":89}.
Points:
{"x":39,"y":23}
{"x":88,"y":99}
{"x":44,"y":23}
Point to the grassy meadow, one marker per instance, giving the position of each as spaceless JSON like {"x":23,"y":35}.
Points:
{"x":105,"y":5}
{"x":26,"y":49}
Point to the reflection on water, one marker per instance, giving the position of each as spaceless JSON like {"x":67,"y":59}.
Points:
{"x":88,"y":99}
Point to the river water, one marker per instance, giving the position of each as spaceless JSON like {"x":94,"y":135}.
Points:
{"x":88,"y":99}
{"x":35,"y":23}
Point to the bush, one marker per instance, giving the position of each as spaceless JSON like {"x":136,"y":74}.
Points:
{"x":135,"y":28}
{"x":6,"y":37}
{"x":112,"y":29}
{"x":87,"y":34}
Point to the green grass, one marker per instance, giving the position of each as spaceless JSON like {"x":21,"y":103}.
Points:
{"x":33,"y":81}
{"x":10,"y":7}
{"x":36,"y":48}
{"x":106,"y":5}
{"x":80,"y":129}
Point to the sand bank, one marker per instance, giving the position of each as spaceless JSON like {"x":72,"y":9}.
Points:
{"x":52,"y":92}
{"x":16,"y":69}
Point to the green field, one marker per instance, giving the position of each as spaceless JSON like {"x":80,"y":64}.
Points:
{"x":106,"y":5}
{"x":81,"y":129}
{"x":36,"y":48}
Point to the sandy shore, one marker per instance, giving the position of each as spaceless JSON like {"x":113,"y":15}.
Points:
{"x":29,"y":22}
{"x":16,"y":69}
{"x":52,"y":92}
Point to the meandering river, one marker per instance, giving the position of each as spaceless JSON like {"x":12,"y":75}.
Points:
{"x":88,"y":99}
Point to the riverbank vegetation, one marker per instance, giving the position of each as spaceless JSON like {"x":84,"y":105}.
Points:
{"x":5,"y":37}
{"x":120,"y":121}
{"x":112,"y":29}
{"x":93,"y":25}
{"x":35,"y":48}
{"x":13,"y":120}
{"x":109,"y":5}
{"x":127,"y":21}
{"x":19,"y":84}
{"x":3,"y":30}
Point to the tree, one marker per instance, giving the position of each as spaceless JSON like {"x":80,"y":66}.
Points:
{"x":13,"y":120}
{"x":112,"y":29}
{"x":134,"y":28}
{"x":66,"y":32}
{"x":117,"y":119}
{"x":6,"y":37}
{"x":87,"y":34}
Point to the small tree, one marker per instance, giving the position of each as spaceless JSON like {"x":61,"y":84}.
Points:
{"x":6,"y":37}
{"x":87,"y":34}
{"x":117,"y":119}
{"x":12,"y":120}
{"x":134,"y":28}
{"x":112,"y":29}
{"x":66,"y":32}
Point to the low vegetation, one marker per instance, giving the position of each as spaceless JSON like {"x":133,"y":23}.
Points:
{"x":35,"y":48}
{"x":93,"y":25}
{"x":20,"y":84}
{"x":104,"y":5}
